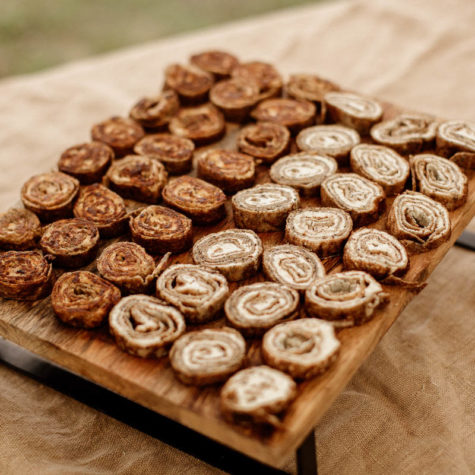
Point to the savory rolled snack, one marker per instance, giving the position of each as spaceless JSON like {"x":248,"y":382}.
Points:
{"x":293,"y":266}
{"x":201,"y":201}
{"x":407,"y":133}
{"x":360,"y":197}
{"x":159,"y":230}
{"x":20,"y":229}
{"x":72,"y":242}
{"x":120,"y":133}
{"x":418,"y":221}
{"x":332,"y":140}
{"x":127,"y":265}
{"x":155,"y":112}
{"x":322,"y":230}
{"x":230,"y":171}
{"x":50,"y":195}
{"x":203,"y":124}
{"x":234,"y":98}
{"x":199,"y":292}
{"x":137,"y":177}
{"x":295,"y":115}
{"x":355,"y":111}
{"x":456,"y":140}
{"x":207,"y":356}
{"x":218,"y":63}
{"x":257,"y":395}
{"x":381,"y":165}
{"x":236,"y":253}
{"x":375,"y":252}
{"x":145,"y":326}
{"x":304,"y":171}
{"x":308,"y":87}
{"x":440,"y":179}
{"x":264,"y":75}
{"x":83,"y":299}
{"x":264,"y":208}
{"x":345,"y":298}
{"x":303,"y":348}
{"x":25,"y":275}
{"x":87,"y":161}
{"x":265,"y":141}
{"x":104,"y":208}
{"x":254,"y":308}
{"x":192,"y":84}
{"x":176,"y":153}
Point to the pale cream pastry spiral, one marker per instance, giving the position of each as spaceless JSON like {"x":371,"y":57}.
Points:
{"x":456,"y":140}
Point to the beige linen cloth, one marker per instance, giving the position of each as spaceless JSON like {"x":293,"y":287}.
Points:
{"x":410,"y":408}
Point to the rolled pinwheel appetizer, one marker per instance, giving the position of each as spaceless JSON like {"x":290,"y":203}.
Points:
{"x":192,"y":84}
{"x":456,"y":140}
{"x":218,"y":63}
{"x":145,"y":326}
{"x":20,"y":229}
{"x":155,"y":112}
{"x":236,"y":253}
{"x":303,"y":348}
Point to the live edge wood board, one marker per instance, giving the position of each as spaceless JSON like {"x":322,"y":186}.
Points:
{"x":151,"y":383}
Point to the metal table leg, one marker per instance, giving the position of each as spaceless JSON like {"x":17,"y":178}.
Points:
{"x":307,"y":456}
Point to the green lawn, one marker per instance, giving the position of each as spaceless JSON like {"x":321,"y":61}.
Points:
{"x":37,"y":34}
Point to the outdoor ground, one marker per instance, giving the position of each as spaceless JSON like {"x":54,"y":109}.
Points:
{"x":37,"y":34}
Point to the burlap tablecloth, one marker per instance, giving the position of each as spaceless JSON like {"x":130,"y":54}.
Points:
{"x":410,"y":408}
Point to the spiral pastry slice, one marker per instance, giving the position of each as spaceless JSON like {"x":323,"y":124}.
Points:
{"x":83,"y":299}
{"x":201,"y":201}
{"x":360,"y":197}
{"x":159,"y":230}
{"x":293,"y":266}
{"x":236,"y":253}
{"x":264,"y":208}
{"x":218,"y":63}
{"x":20,"y":229}
{"x":257,"y":395}
{"x":128,"y":266}
{"x":353,"y":110}
{"x":303,"y":348}
{"x":456,"y":140}
{"x":72,"y":242}
{"x":192,"y":84}
{"x":308,"y":87}
{"x":203,"y":124}
{"x":87,"y":161}
{"x":407,"y":133}
{"x":104,"y":208}
{"x":50,"y":195}
{"x":264,"y":75}
{"x":333,"y":140}
{"x":120,"y":133}
{"x":155,"y":112}
{"x":295,"y":115}
{"x":440,"y":179}
{"x":304,"y":171}
{"x":25,"y":275}
{"x":381,"y":165}
{"x":345,"y":298}
{"x":265,"y":141}
{"x":418,"y":221}
{"x":230,"y":171}
{"x":322,"y":230}
{"x":145,"y":326}
{"x":235,"y":98}
{"x":198,"y":292}
{"x":137,"y":177}
{"x":255,"y":308}
{"x":176,"y":153}
{"x":207,"y":356}
{"x":375,"y":252}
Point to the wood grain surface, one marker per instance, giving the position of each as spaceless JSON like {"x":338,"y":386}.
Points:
{"x":152,"y":383}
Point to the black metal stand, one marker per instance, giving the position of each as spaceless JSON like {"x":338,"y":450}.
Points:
{"x":145,"y":420}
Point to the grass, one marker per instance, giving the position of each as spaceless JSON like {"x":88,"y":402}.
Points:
{"x":37,"y":34}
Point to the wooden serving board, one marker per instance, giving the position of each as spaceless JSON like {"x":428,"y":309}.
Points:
{"x":152,"y":383}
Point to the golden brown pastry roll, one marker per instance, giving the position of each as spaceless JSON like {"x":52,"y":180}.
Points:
{"x":20,"y":229}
